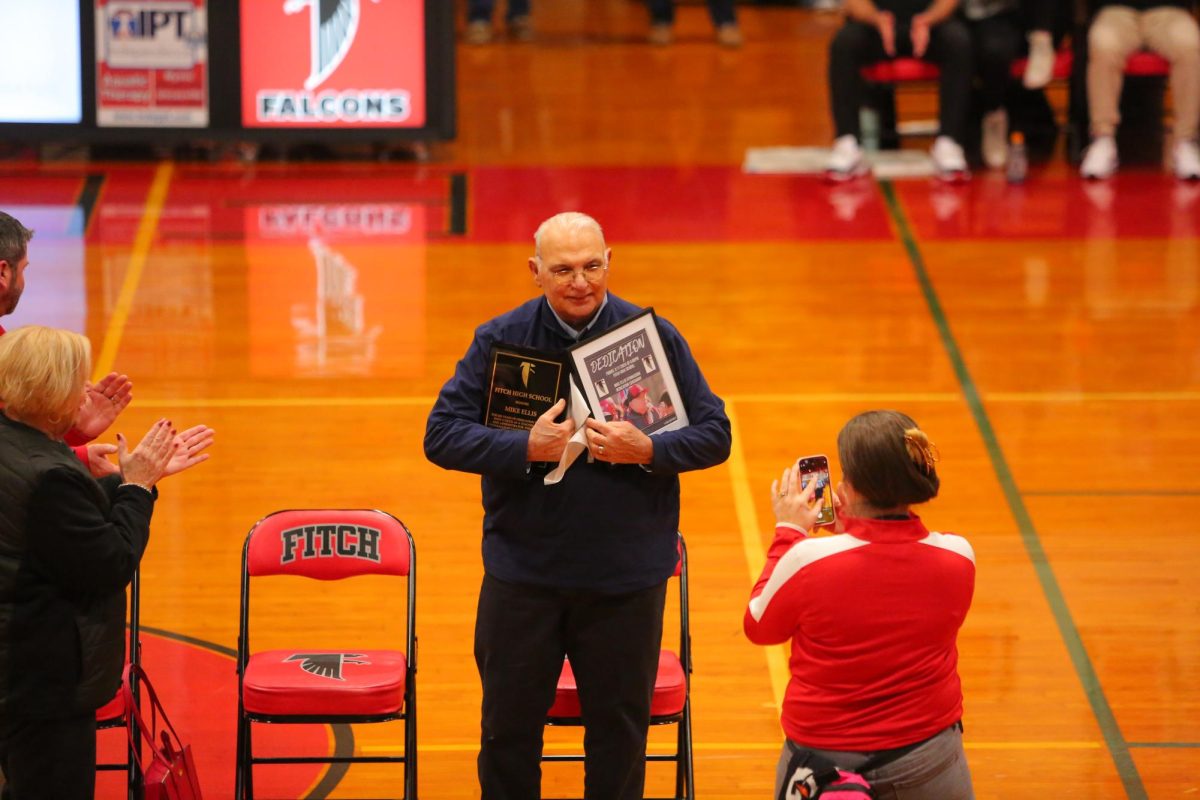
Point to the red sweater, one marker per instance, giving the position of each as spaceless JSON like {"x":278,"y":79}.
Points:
{"x":873,"y":616}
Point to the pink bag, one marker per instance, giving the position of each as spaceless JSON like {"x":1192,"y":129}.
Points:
{"x":170,"y":773}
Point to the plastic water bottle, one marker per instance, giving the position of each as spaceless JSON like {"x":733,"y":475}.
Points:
{"x":1018,"y":160}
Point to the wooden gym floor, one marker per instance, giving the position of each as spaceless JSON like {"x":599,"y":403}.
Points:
{"x":1047,"y":336}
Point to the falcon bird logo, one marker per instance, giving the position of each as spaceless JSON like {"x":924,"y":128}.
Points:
{"x":327,"y":665}
{"x":334,"y":24}
{"x":527,"y":369}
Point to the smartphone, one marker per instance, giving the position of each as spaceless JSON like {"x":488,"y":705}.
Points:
{"x":816,"y":468}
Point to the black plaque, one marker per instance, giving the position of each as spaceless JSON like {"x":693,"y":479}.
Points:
{"x":523,"y":384}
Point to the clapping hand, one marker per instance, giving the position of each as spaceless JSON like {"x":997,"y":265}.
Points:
{"x":98,"y":463}
{"x":147,"y":463}
{"x":103,"y":402}
{"x":189,"y":445}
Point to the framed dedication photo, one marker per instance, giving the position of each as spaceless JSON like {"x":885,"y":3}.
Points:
{"x":523,"y":384}
{"x":625,"y":375}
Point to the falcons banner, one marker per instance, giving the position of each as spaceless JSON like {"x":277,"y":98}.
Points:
{"x":333,"y":63}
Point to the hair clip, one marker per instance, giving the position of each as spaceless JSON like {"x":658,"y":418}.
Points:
{"x":922,"y":451}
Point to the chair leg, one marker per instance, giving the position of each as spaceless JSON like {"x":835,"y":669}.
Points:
{"x":685,"y":727}
{"x":239,"y":760}
{"x":410,"y":751}
{"x":248,"y":764}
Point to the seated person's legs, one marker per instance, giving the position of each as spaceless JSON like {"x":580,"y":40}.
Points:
{"x":950,"y":49}
{"x":1112,"y":37}
{"x":479,"y":22}
{"x":1042,"y":18}
{"x":997,"y":40}
{"x":1174,"y":34}
{"x":855,"y":45}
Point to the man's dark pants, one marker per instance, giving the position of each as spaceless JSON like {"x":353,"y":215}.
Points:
{"x":522,"y":633}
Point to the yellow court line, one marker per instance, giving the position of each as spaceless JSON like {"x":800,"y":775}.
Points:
{"x":653,"y":747}
{"x":743,"y":503}
{"x":155,"y":200}
{"x":749,"y":399}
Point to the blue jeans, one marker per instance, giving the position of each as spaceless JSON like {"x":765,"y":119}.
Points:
{"x":721,"y":11}
{"x":937,"y":770}
{"x":482,"y":10}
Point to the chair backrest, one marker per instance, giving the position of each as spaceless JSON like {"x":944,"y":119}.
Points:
{"x":328,"y":544}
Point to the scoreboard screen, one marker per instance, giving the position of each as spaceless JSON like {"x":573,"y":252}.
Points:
{"x":40,"y":75}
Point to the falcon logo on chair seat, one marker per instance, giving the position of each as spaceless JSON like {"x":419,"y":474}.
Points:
{"x":327,"y":665}
{"x":330,"y":541}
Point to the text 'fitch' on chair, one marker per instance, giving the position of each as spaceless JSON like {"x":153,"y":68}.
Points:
{"x":320,"y":678}
{"x":671,"y":703}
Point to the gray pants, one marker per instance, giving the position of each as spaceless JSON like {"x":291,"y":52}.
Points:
{"x":937,"y":770}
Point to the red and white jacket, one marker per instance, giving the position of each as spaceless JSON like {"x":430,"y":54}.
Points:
{"x":873,"y":616}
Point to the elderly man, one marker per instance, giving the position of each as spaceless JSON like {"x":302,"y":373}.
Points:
{"x":578,"y":568}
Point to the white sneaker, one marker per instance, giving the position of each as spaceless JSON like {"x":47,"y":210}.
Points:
{"x":846,"y":159}
{"x":1186,"y":159}
{"x":1100,"y":160}
{"x":1039,"y":68}
{"x":948,"y":159}
{"x":995,"y":138}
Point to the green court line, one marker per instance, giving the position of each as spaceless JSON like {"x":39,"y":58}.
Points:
{"x":1165,"y":745}
{"x":1117,"y":746}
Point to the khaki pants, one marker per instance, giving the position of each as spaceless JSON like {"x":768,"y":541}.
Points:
{"x":1119,"y":31}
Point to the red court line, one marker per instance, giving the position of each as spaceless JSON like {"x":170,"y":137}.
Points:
{"x":1137,"y":203}
{"x":674,"y":204}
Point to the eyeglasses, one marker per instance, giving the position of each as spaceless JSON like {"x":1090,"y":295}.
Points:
{"x":592,"y":273}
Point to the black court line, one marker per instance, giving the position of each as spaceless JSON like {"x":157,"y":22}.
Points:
{"x":457,"y":223}
{"x":88,"y":195}
{"x":1118,"y":748}
{"x":343,"y":735}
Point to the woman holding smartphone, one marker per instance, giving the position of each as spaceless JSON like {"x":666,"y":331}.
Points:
{"x":873,"y":614}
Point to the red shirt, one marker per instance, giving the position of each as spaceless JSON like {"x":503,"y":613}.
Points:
{"x":873,"y":616}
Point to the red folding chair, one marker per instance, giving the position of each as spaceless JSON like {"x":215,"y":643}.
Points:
{"x":901,"y":70}
{"x":307,"y":684}
{"x":671,"y":703}
{"x":112,"y":714}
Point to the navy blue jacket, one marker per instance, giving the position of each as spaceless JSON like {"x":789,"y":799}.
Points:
{"x":604,"y":527}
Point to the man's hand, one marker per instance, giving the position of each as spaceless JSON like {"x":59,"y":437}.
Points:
{"x":885,"y":23}
{"x":98,"y":463}
{"x":103,"y":404}
{"x":919,"y":32}
{"x":619,"y":442}
{"x":547,"y":438}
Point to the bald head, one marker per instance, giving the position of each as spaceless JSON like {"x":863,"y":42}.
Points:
{"x":565,"y":224}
